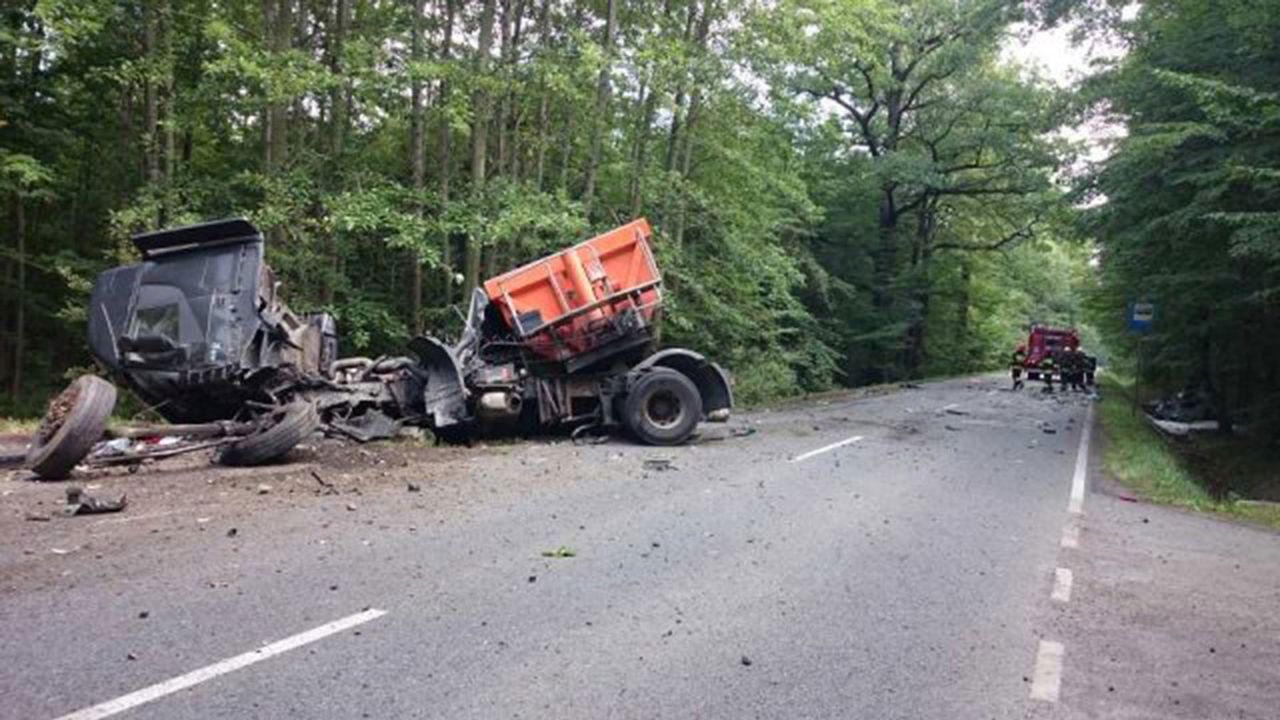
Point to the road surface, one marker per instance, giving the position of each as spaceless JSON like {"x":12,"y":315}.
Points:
{"x":947,"y":551}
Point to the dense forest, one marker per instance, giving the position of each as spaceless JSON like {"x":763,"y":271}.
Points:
{"x":843,"y":191}
{"x":1186,"y":210}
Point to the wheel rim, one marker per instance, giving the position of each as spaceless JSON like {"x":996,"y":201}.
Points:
{"x":663,"y":409}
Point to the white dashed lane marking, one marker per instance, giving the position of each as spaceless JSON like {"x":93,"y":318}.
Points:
{"x":1061,"y":585}
{"x":1048,"y":678}
{"x":826,"y":448}
{"x":209,"y":672}
{"x":1071,"y":533}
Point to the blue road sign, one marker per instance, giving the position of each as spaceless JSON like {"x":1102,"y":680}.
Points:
{"x":1142,"y":316}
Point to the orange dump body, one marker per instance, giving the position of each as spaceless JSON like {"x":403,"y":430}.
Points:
{"x":580,"y":298}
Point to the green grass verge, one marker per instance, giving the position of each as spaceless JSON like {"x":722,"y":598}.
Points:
{"x":18,"y":426}
{"x":1162,"y":471}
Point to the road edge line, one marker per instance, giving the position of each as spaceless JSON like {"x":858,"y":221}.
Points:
{"x":1079,"y":478}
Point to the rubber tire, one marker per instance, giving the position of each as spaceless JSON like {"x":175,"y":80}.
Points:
{"x":83,"y":426}
{"x":298,"y":420}
{"x":657,"y":380}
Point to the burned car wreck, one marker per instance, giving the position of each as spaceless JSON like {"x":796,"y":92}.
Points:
{"x":197,"y":330}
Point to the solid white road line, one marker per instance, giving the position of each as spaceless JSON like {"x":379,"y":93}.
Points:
{"x":827,"y":448}
{"x":195,"y":677}
{"x":1061,"y":585}
{"x":1071,"y":533}
{"x":1048,"y":679}
{"x":1076,"y":504}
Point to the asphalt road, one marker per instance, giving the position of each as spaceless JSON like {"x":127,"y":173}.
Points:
{"x":913,"y":572}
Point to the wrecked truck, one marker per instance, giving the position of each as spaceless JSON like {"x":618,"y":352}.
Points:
{"x":198,"y":331}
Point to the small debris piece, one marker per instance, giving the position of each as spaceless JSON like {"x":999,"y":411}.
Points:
{"x":326,"y":488}
{"x":414,"y":487}
{"x":59,"y":551}
{"x":1127,"y":498}
{"x":232,"y":532}
{"x":81,"y":503}
{"x":263,"y":488}
{"x":37,"y":517}
{"x":562,"y":551}
{"x":952,"y":428}
{"x":131,"y":656}
{"x":746,"y":661}
{"x":1048,"y":430}
{"x":658,"y":464}
{"x":533,"y":578}
{"x":351,"y":507}
{"x":956,"y":411}
{"x":144,"y":615}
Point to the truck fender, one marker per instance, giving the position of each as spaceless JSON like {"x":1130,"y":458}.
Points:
{"x":445,"y":394}
{"x":711,"y":380}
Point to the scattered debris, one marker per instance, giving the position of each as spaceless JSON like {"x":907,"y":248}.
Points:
{"x":746,"y":661}
{"x":956,"y":411}
{"x":561,"y":552}
{"x":1049,"y":430}
{"x":326,"y":488}
{"x":1127,"y":498}
{"x":952,"y":428}
{"x":81,"y":503}
{"x":351,"y":507}
{"x":263,"y":488}
{"x":658,"y":464}
{"x":144,"y":615}
{"x":232,"y":532}
{"x":414,"y":487}
{"x":36,"y":517}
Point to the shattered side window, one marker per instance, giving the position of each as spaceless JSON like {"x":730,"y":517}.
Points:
{"x":162,"y":311}
{"x":160,"y":321}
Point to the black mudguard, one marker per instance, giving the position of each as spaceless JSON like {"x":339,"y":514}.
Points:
{"x":711,"y":380}
{"x":445,"y":395}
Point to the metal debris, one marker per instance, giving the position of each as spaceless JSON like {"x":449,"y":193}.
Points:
{"x":81,"y":503}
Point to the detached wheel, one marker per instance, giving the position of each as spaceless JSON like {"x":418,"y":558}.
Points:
{"x":285,"y":427}
{"x":662,"y":408}
{"x":75,"y":420}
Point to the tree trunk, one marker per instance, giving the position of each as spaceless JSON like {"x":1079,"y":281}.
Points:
{"x":686,"y":142}
{"x":277,"y":28}
{"x":20,"y":306}
{"x":479,"y":145}
{"x":418,"y":152}
{"x":446,"y":157}
{"x":337,"y":136}
{"x":544,"y":98}
{"x":151,"y":111}
{"x":598,"y":122}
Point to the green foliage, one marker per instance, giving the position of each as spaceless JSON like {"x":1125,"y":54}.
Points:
{"x":1189,"y":211}
{"x":718,"y":124}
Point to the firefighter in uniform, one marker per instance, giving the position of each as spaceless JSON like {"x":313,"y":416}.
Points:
{"x":1015,"y":367}
{"x":1072,"y":369}
{"x":1047,"y":367}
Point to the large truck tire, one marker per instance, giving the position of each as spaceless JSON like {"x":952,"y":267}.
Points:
{"x":291,"y":424}
{"x":663,"y":407}
{"x":75,"y":420}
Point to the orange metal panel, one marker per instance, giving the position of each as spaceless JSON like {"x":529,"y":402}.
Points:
{"x":560,"y":298}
